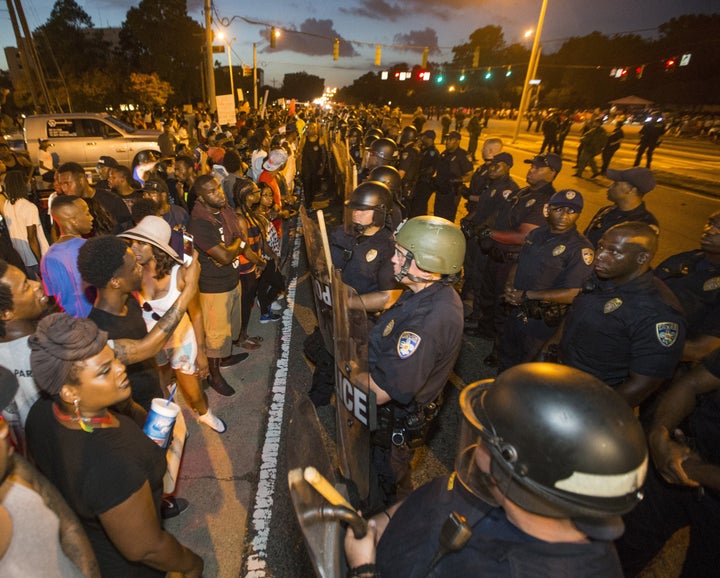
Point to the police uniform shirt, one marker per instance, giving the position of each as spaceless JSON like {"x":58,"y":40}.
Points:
{"x":428,"y":162}
{"x":493,"y":199}
{"x":452,"y":166}
{"x":611,"y":215}
{"x":525,"y":206}
{"x":612,"y":331}
{"x":496,"y":548}
{"x":413,"y":347}
{"x":704,"y":422}
{"x":410,"y":163}
{"x":369,"y":266}
{"x":554,"y":260}
{"x":696,"y":283}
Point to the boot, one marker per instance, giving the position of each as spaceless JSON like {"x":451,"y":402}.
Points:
{"x":216,"y":380}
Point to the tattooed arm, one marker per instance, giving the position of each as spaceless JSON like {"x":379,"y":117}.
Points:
{"x":135,"y":350}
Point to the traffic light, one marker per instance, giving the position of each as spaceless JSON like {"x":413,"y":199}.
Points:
{"x":378,"y":54}
{"x":439,"y":79}
{"x":508,"y":72}
{"x":426,"y":52}
{"x":488,"y":74}
{"x":462,"y":76}
{"x":272,"y":37}
{"x":670,"y":64}
{"x":336,"y":49}
{"x":639,"y":71}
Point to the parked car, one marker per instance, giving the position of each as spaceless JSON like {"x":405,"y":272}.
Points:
{"x":85,"y":137}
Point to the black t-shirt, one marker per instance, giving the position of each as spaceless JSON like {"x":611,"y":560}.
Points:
{"x":144,"y":377}
{"x":96,"y":472}
{"x":114,"y":205}
{"x":214,"y":278}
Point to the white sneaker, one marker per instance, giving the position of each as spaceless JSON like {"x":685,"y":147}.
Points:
{"x":212,"y":421}
{"x":276,"y":306}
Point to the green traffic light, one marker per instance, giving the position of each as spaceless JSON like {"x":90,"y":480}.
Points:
{"x":462,"y":78}
{"x":439,"y":79}
{"x":488,"y":75}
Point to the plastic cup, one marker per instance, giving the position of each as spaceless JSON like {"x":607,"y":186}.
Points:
{"x":161,"y":420}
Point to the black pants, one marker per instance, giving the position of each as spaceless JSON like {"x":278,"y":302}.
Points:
{"x":249,"y":284}
{"x":270,"y":285}
{"x":446,"y":202}
{"x":417,"y":205}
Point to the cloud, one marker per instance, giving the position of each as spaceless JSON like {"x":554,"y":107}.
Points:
{"x":314,"y":37}
{"x":376,"y":10}
{"x":395,"y":12}
{"x":418,"y":40}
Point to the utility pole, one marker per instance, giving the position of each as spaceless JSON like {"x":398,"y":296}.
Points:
{"x":209,"y":68}
{"x":254,"y":76}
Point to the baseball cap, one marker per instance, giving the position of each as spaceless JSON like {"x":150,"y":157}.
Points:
{"x":639,"y":177}
{"x":550,"y":160}
{"x":503,"y":158}
{"x":154,"y":184}
{"x":454,"y":134}
{"x":567,"y":198}
{"x":429,"y":134}
{"x":110,"y":162}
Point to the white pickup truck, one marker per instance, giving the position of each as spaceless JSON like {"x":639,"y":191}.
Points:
{"x":85,"y":137}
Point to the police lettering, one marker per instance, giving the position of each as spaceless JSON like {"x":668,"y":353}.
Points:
{"x":354,"y":399}
{"x":322,"y":292}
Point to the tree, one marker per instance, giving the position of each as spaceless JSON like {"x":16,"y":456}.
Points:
{"x":148,"y":90}
{"x":302,"y":86}
{"x":159,"y":36}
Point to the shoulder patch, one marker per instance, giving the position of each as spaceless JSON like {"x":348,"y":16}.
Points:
{"x":667,"y":333}
{"x":588,"y":256}
{"x":407,"y":344}
{"x":404,"y":155}
{"x":506,"y":193}
{"x":612,"y":305}
{"x":370,"y":255}
{"x":711,"y":284}
{"x":559,"y":250}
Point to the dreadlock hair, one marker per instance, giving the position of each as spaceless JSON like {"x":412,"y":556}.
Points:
{"x":241,"y":189}
{"x":16,"y":186}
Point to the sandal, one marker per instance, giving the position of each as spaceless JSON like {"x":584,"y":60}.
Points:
{"x":251,"y":343}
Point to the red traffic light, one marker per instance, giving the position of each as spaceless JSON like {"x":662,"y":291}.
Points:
{"x":669,"y":63}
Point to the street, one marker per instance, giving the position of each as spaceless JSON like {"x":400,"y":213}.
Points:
{"x":241,"y":520}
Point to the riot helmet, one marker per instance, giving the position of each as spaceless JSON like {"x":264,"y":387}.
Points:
{"x":409,"y":134}
{"x":369,"y":196}
{"x":436,"y":244}
{"x":390,"y":177}
{"x":374,"y":131}
{"x":355,"y":133}
{"x":561,"y":444}
{"x":385,"y":149}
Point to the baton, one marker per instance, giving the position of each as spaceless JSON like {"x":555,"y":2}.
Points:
{"x":325,"y":488}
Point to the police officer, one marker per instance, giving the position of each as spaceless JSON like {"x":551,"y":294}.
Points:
{"x":626,"y":192}
{"x":533,"y":493}
{"x":452,"y":167}
{"x":409,"y":163}
{"x":382,"y":151}
{"x":521,"y":214}
{"x":650,"y":135}
{"x":413,"y":346}
{"x":623,"y":329}
{"x":694,"y":278}
{"x":429,"y":156}
{"x":362,"y":248}
{"x":390,"y":177}
{"x":478,"y":181}
{"x":552,"y":267}
{"x":355,"y":144}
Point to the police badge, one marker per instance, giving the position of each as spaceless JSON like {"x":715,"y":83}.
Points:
{"x":407,"y":344}
{"x":388,"y":328}
{"x":530,"y":203}
{"x":612,"y":305}
{"x":711,"y":284}
{"x":559,"y":250}
{"x":370,"y":255}
{"x":667,"y":333}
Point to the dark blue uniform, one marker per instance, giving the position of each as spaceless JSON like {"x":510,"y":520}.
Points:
{"x":611,"y":215}
{"x":547,"y":261}
{"x":451,"y":168}
{"x":365,"y":262}
{"x":424,"y":187}
{"x":666,"y":508}
{"x":614,"y":330}
{"x":411,"y":352}
{"x":496,"y":549}
{"x":410,"y":164}
{"x":696,"y":283}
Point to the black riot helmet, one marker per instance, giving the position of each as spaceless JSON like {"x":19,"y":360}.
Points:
{"x":562,"y":444}
{"x":374,"y":131}
{"x":355,"y":132}
{"x":373,"y":196}
{"x":385,"y":150}
{"x":409,"y":134}
{"x":390,"y":177}
{"x":369,"y":139}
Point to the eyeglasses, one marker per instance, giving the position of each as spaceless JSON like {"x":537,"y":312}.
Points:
{"x":148,"y":309}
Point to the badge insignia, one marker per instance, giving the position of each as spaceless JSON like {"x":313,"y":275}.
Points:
{"x":612,"y":305}
{"x":404,"y":156}
{"x":388,"y":328}
{"x":370,"y":255}
{"x":667,"y":333}
{"x":559,"y":250}
{"x":408,"y":344}
{"x":492,"y":193}
{"x":530,"y":203}
{"x":569,"y":195}
{"x":588,"y":256}
{"x":506,"y":194}
{"x":711,"y":284}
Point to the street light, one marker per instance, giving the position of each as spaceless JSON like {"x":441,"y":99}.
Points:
{"x":228,"y":41}
{"x":532,"y":66}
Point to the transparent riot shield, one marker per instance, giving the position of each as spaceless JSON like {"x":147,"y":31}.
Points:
{"x":355,"y":402}
{"x":320,"y":274}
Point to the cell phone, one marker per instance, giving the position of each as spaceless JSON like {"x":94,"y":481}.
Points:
{"x":188,"y":248}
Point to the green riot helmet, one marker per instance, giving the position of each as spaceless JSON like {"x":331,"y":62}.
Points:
{"x":409,"y":134}
{"x":557,"y":442}
{"x":436,"y":244}
{"x":369,"y":196}
{"x":390,"y":177}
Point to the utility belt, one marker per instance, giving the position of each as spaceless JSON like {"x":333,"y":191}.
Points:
{"x":551,"y":313}
{"x":500,"y":256}
{"x":404,"y":427}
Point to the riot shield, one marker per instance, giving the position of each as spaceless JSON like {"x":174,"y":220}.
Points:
{"x":320,"y":274}
{"x":354,"y":401}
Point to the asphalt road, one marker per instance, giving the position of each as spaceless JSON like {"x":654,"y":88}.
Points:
{"x":241,"y":519}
